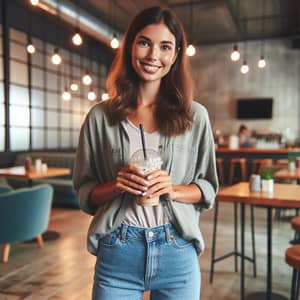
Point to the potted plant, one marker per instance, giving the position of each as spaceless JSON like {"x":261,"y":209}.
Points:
{"x":291,"y":162}
{"x":267,"y":180}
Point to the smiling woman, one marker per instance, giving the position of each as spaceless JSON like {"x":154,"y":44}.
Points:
{"x":142,"y":247}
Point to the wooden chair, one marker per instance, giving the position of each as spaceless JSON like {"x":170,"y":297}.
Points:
{"x":242,"y":163}
{"x":259,"y":164}
{"x":295,"y":224}
{"x":292,"y":258}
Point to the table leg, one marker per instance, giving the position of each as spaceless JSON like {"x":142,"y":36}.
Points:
{"x":268,"y":295}
{"x":269,"y":253}
{"x":242,"y":291}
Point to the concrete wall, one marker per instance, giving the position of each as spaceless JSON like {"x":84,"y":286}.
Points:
{"x":219,"y":83}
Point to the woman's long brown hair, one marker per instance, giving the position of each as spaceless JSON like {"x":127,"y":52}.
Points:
{"x":172,"y":114}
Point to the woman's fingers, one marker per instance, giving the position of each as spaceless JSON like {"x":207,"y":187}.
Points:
{"x":130,"y":179}
{"x":160,"y":184}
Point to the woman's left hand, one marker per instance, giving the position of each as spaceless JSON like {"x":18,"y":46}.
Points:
{"x":160,"y":183}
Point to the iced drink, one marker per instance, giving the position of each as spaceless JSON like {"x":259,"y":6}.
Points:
{"x":149,"y":165}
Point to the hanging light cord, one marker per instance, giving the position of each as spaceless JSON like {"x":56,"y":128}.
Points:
{"x":263,"y":28}
{"x":191,"y":22}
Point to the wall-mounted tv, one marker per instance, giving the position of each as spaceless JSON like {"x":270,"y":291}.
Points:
{"x":254,"y":108}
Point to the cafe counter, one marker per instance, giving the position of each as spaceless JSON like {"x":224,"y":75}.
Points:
{"x":252,"y":153}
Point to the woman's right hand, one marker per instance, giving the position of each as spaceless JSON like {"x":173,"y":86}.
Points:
{"x":132,"y":180}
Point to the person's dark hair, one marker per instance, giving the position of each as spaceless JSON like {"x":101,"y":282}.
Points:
{"x":172,"y":112}
{"x":242,"y":128}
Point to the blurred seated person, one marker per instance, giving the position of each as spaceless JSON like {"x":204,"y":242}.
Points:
{"x":245,"y":140}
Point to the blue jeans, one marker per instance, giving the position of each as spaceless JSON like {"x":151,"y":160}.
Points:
{"x":132,"y":260}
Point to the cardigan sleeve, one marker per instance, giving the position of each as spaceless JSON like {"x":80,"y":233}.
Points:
{"x":205,"y":176}
{"x":84,"y":175}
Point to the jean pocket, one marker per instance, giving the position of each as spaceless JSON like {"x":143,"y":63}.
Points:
{"x":179,"y":242}
{"x":111,"y":239}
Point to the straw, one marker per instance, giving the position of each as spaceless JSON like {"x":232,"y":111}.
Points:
{"x":143,"y":141}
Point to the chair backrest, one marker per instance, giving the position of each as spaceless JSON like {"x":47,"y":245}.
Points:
{"x":24,"y":213}
{"x":5,"y":188}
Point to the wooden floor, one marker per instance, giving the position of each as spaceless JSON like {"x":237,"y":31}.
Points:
{"x":63,"y":269}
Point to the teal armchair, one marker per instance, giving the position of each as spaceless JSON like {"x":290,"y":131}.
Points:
{"x":5,"y":188}
{"x":24,"y":215}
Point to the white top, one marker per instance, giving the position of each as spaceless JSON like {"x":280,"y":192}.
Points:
{"x":136,"y":215}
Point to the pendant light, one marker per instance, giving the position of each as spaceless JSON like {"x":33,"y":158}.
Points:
{"x":235,"y":54}
{"x":114,"y":42}
{"x":56,"y":58}
{"x":74,"y":87}
{"x":34,"y":2}
{"x":76,"y":38}
{"x":66,"y":95}
{"x":262,"y":62}
{"x":104,"y":96}
{"x":245,"y":68}
{"x":87,"y":79}
{"x":191,"y":50}
{"x":91,"y":95}
{"x":30,"y":48}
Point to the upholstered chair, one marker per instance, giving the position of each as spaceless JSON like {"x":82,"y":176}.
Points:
{"x":24,"y":215}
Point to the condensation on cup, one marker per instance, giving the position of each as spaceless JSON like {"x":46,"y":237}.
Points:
{"x":149,"y":165}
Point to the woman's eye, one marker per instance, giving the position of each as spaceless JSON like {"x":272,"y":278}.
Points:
{"x":166,"y":47}
{"x":143,"y":43}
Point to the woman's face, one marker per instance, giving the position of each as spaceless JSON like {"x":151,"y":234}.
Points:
{"x":153,"y":52}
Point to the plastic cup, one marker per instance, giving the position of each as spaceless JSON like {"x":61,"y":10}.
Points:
{"x":149,"y":165}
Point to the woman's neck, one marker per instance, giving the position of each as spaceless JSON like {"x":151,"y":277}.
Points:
{"x":146,"y":105}
{"x":148,"y":93}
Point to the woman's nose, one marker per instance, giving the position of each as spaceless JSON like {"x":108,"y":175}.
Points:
{"x":153,"y":52}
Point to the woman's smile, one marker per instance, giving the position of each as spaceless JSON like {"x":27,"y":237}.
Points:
{"x":149,"y":68}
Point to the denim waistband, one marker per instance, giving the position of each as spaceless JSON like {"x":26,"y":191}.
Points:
{"x":165,"y":231}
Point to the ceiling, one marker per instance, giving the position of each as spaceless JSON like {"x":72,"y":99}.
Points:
{"x":209,"y":21}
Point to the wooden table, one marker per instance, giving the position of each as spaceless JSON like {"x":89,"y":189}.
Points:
{"x":286,"y":174}
{"x":284,"y":196}
{"x":20,"y":172}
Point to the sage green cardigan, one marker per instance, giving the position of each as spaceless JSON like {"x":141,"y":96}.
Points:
{"x":189,"y":158}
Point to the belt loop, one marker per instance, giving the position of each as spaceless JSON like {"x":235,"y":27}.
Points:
{"x":124,"y":231}
{"x":168,"y":234}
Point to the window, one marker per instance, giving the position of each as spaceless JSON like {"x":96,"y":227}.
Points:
{"x":39,"y":118}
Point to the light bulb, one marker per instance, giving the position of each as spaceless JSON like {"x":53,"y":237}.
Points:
{"x":244,"y":68}
{"x":235,"y":54}
{"x":74,"y":87}
{"x":77,"y":39}
{"x":104,"y":96}
{"x":190,"y":50}
{"x":87,"y":79}
{"x":92,"y":95}
{"x":56,"y":58}
{"x":34,"y":2}
{"x":30,"y":49}
{"x":114,"y":43}
{"x":262,"y":62}
{"x":66,"y":95}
